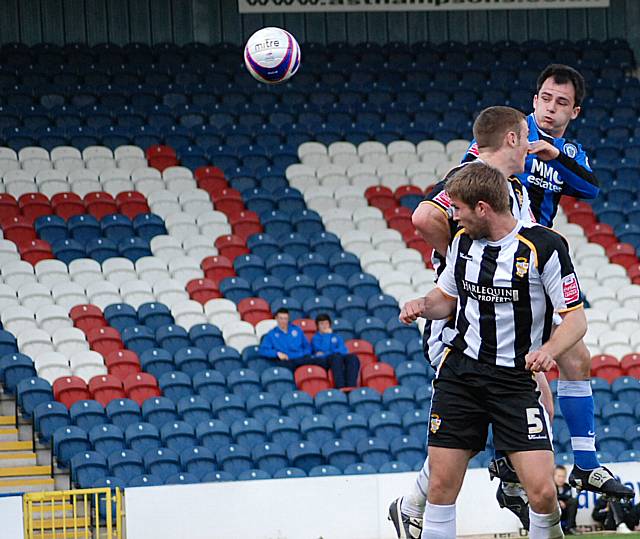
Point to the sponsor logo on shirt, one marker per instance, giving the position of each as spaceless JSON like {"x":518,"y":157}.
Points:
{"x":491,"y":294}
{"x":544,"y":176}
{"x":570,"y":288}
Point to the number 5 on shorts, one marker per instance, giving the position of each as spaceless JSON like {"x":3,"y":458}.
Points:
{"x":535,"y":422}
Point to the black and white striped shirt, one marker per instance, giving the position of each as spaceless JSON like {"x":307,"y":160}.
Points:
{"x":508,"y":291}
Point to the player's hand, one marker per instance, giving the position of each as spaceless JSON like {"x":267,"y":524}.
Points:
{"x":544,"y":150}
{"x":282,"y":356}
{"x":412,"y":310}
{"x":539,"y":361}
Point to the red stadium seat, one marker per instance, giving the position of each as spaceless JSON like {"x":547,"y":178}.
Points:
{"x":162,"y":162}
{"x":379,"y":376}
{"x":159,"y":150}
{"x":141,"y":386}
{"x":217,"y":268}
{"x":8,"y":206}
{"x":202,"y":290}
{"x":623,"y":254}
{"x":399,"y":219}
{"x":132,"y":203}
{"x":100,"y":204}
{"x":208,"y":172}
{"x":631,"y":365}
{"x":122,"y":363}
{"x":363,"y":349}
{"x":307,"y":325}
{"x":601,"y":233}
{"x":87,"y":317}
{"x":212,"y":185}
{"x":104,"y":340}
{"x":605,"y":366}
{"x":18,"y":229}
{"x":105,"y":388}
{"x":70,"y":389}
{"x":35,"y":250}
{"x":231,"y":246}
{"x":66,"y":205}
{"x":580,"y":213}
{"x":405,"y":190}
{"x":312,"y":379}
{"x":380,"y":197}
{"x":245,"y":224}
{"x":254,"y":310}
{"x":228,"y":201}
{"x":34,"y":205}
{"x":633,"y":272}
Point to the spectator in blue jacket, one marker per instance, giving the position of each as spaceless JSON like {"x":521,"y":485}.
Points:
{"x":330,"y":347}
{"x":287,"y":344}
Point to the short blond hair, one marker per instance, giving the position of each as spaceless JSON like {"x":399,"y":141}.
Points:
{"x":477,"y":182}
{"x":493,"y":123}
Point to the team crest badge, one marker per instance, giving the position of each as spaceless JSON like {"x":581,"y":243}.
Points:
{"x":435,"y":423}
{"x":294,"y":333}
{"x":522,"y":266}
{"x":570,"y":150}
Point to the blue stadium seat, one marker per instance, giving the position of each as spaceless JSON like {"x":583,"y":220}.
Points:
{"x":384,"y":306}
{"x":263,"y":406}
{"x":398,"y":399}
{"x":121,"y":316}
{"x":610,"y":440}
{"x":263,"y":245}
{"x":87,"y":468}
{"x":370,"y":329}
{"x":194,"y":409}
{"x":116,"y":227}
{"x":415,"y":350}
{"x":390,"y":351}
{"x":225,"y":359}
{"x":339,"y":453}
{"x":618,"y":414}
{"x":86,"y":414}
{"x":144,"y":480}
{"x":142,"y":437}
{"x":324,"y":470}
{"x":282,"y":266}
{"x":174,"y":386}
{"x":332,"y":286}
{"x":304,"y":455}
{"x":83,"y":228}
{"x":209,"y":384}
{"x":154,"y":315}
{"x":402,"y":332}
{"x":385,"y":425}
{"x":629,"y":455}
{"x":289,"y":200}
{"x":268,"y":288}
{"x":365,"y":401}
{"x":297,"y":404}
{"x":394,"y":467}
{"x":157,"y":361}
{"x":276,"y":223}
{"x":182,"y":478}
{"x":191,"y":360}
{"x":626,"y":389}
{"x":67,"y":441}
{"x":68,"y":250}
{"x":294,"y":245}
{"x":106,"y":438}
{"x":360,"y":468}
{"x":292,"y":304}
{"x":312,"y":265}
{"x":159,"y":410}
{"x":307,"y":222}
{"x":8,"y":343}
{"x":234,"y":459}
{"x":351,"y":427}
{"x":248,"y":432}
{"x":48,"y":417}
{"x":206,"y":336}
{"x":317,"y":305}
{"x":374,"y":451}
{"x":228,"y":408}
{"x":13,"y":369}
{"x":283,"y":430}
{"x":331,"y":402}
{"x":299,"y":287}
{"x":259,"y":200}
{"x":284,"y":473}
{"x":213,"y":434}
{"x":217,"y":477}
{"x":415,"y":423}
{"x":351,"y":308}
{"x":123,"y":412}
{"x":172,"y":337}
{"x":162,"y":462}
{"x":345,"y":265}
{"x":632,"y":434}
{"x":326,"y":244}
{"x":409,"y":449}
{"x":31,"y":393}
{"x":249,"y":267}
{"x":51,"y":228}
{"x":317,"y":428}
{"x":413,"y":374}
{"x":243,"y":382}
{"x":138,"y":338}
{"x":277,"y":380}
{"x":178,"y":435}
{"x":269,"y":457}
{"x":198,"y":460}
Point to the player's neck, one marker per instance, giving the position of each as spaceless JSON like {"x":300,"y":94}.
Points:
{"x":498,"y":161}
{"x":501,"y":226}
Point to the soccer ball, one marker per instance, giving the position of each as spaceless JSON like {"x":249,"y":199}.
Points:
{"x":272,"y":55}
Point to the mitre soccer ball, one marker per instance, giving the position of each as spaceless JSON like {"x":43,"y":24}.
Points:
{"x":272,"y":55}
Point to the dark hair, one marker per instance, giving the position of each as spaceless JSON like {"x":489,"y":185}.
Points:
{"x":560,"y":467}
{"x":323,"y":317}
{"x":493,"y":123}
{"x":282,"y":310}
{"x":478,"y":181}
{"x":562,"y":74}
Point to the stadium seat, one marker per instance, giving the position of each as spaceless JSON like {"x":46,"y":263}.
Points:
{"x":194,"y":409}
{"x":67,"y":441}
{"x":373,"y":451}
{"x":234,"y":459}
{"x":178,"y":435}
{"x":88,"y":468}
{"x":198,"y":460}
{"x":312,"y":379}
{"x":125,"y":464}
{"x":48,"y":417}
{"x":304,"y":455}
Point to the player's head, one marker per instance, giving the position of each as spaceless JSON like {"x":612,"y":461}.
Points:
{"x":560,"y":475}
{"x":478,"y":193}
{"x":323,"y":323}
{"x":282,"y":318}
{"x":504,"y":131}
{"x":559,"y":94}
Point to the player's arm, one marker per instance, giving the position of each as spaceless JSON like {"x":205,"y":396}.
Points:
{"x":579,"y":180}
{"x":431,"y":219}
{"x":562,"y":287}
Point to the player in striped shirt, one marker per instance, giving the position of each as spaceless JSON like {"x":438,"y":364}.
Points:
{"x":504,"y":279}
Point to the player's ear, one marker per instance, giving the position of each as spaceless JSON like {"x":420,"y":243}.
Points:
{"x":575,"y":112}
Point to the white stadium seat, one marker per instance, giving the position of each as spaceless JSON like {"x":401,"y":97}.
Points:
{"x":69,"y":341}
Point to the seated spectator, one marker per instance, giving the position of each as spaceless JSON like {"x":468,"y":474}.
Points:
{"x":568,"y":502}
{"x":612,"y":513}
{"x":287,"y":344}
{"x":344,"y":366}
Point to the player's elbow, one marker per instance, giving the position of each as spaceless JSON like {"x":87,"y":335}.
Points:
{"x":424,"y":218}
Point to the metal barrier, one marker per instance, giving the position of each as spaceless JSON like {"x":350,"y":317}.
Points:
{"x":94,"y":513}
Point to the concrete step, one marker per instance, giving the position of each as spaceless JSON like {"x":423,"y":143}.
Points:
{"x":17,"y":458}
{"x":8,"y":434}
{"x":15,"y":445}
{"x":7,"y":420}
{"x":25,"y":471}
{"x":36,"y":484}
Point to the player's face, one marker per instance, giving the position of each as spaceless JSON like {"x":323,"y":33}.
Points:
{"x":471,"y":219}
{"x":522,"y":148}
{"x":554,"y":106}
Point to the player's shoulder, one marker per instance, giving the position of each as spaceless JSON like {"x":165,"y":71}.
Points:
{"x":545,"y":240}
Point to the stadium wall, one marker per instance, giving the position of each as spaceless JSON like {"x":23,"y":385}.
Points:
{"x":347,"y":507}
{"x":213,"y":21}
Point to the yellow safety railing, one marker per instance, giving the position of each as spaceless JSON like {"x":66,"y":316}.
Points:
{"x":73,"y":514}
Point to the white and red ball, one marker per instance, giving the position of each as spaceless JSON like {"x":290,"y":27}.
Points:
{"x":272,"y":55}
